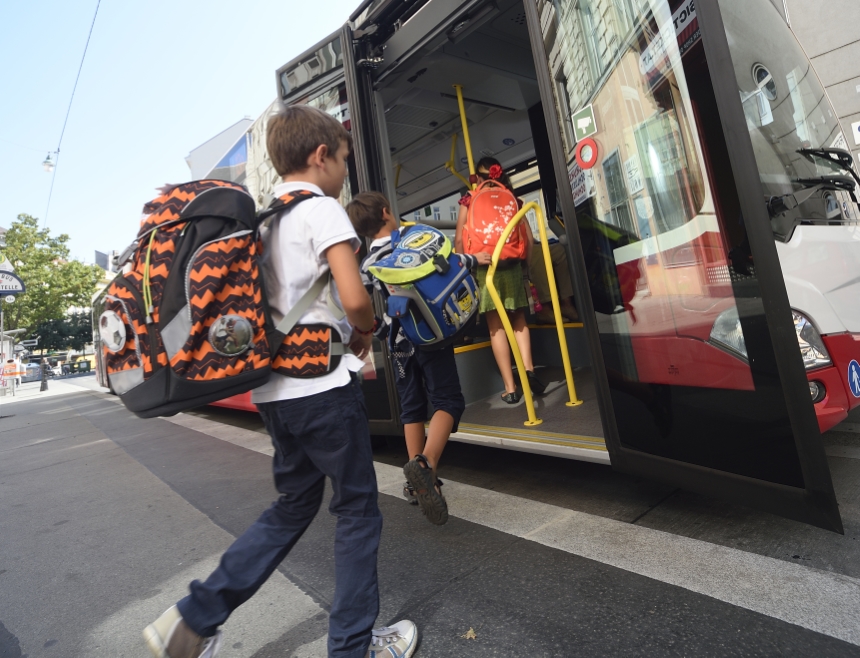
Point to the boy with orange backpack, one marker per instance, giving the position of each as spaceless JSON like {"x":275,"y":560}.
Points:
{"x":484,"y":214}
{"x":318,"y":425}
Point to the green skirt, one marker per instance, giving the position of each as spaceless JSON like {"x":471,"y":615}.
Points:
{"x":509,"y":284}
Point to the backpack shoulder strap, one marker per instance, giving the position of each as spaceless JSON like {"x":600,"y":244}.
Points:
{"x":279,"y":205}
{"x":285,"y":202}
{"x":286,"y":325}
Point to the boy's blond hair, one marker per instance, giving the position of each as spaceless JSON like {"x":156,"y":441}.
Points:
{"x":297,"y":131}
{"x":365,"y":213}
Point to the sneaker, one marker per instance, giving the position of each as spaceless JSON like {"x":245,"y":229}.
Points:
{"x":409,"y":493}
{"x":419,"y":474}
{"x":169,"y":637}
{"x":397,"y":641}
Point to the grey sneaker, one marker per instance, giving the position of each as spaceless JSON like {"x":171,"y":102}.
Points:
{"x":396,"y":641}
{"x":169,"y":637}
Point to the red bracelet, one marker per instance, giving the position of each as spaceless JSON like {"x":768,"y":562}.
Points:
{"x":369,"y":331}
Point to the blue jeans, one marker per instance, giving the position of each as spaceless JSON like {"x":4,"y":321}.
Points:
{"x":323,"y":435}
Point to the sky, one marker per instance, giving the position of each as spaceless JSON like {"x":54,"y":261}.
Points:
{"x":160,"y":78}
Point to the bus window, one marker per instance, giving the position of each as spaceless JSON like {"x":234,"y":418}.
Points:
{"x":684,"y":340}
{"x":787,"y":111}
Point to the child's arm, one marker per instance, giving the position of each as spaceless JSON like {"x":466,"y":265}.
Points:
{"x":353,"y":297}
{"x":461,"y":223}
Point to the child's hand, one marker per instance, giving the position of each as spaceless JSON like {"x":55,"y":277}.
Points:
{"x":484,"y":258}
{"x":360,"y":345}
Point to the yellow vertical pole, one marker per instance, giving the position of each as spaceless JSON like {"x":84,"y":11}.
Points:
{"x":556,"y":309}
{"x":506,"y":323}
{"x":464,"y":121}
{"x":451,"y":165}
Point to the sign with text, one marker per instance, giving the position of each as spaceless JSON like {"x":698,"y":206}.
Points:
{"x":683,"y":29}
{"x":581,"y":183}
{"x":10,"y":283}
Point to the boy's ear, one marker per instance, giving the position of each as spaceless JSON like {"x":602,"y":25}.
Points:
{"x":318,"y":156}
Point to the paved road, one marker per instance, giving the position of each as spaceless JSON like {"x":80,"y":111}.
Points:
{"x":105,"y":517}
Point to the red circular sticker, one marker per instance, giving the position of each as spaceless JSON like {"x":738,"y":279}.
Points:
{"x":586,"y":153}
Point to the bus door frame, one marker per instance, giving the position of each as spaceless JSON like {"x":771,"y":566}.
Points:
{"x":816,"y":504}
{"x":366,"y":153}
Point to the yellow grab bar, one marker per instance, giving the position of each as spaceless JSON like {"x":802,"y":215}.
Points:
{"x":556,"y":309}
{"x":451,"y":165}
{"x":466,"y":140}
{"x":506,"y":323}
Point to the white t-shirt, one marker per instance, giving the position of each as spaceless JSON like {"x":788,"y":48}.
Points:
{"x":293,"y":260}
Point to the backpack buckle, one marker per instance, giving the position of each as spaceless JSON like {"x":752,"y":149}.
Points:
{"x":441,"y":264}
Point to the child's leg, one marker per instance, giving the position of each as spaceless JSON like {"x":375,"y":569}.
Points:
{"x":524,"y":341}
{"x":442,"y":382}
{"x":501,"y":349}
{"x":415,"y":438}
{"x":413,"y":402}
{"x":437,"y":437}
{"x":252,"y":558}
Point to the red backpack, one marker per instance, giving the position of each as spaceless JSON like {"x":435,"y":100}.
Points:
{"x":492,"y":206}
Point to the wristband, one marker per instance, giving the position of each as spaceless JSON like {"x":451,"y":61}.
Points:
{"x":369,"y":331}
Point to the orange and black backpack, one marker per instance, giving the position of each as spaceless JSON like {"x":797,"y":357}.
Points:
{"x":189,"y":324}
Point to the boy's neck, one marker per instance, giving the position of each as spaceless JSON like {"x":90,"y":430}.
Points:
{"x":385,"y":232}
{"x":306,"y":176}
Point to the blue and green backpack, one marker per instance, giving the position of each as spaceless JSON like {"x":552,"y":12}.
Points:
{"x":430,"y":289}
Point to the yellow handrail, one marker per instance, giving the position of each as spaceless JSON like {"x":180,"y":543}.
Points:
{"x":466,"y":140}
{"x":451,"y":165}
{"x":506,"y":323}
{"x":556,"y":308}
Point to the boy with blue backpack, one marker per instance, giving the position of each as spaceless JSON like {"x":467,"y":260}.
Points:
{"x":409,"y":268}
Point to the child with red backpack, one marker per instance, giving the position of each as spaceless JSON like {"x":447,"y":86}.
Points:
{"x":484,"y":212}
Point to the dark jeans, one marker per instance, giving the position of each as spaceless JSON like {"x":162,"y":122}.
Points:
{"x":321,"y":435}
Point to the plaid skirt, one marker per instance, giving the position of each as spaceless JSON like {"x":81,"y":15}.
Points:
{"x":509,"y":284}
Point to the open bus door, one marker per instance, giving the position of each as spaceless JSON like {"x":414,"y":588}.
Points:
{"x":687,"y":341}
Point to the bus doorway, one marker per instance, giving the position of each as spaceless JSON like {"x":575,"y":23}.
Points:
{"x":685,"y":352}
{"x":425,"y":173}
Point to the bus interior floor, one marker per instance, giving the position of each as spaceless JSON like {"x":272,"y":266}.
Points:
{"x":558,"y":418}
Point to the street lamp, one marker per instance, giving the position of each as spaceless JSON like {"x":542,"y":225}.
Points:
{"x":48,"y":164}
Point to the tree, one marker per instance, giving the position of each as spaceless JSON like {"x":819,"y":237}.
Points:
{"x":72,"y":331}
{"x":54,"y":282}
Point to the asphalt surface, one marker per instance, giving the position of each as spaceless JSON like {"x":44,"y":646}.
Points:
{"x":104,"y":519}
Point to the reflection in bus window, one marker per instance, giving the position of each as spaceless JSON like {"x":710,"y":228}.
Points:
{"x":786,"y":110}
{"x":657,"y":215}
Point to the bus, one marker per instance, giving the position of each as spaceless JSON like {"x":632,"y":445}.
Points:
{"x":686,"y":164}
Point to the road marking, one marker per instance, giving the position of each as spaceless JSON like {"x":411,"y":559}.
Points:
{"x":271,"y":612}
{"x":256,"y":441}
{"x":820,"y":601}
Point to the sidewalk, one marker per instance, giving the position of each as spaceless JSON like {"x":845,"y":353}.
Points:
{"x":30,"y":391}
